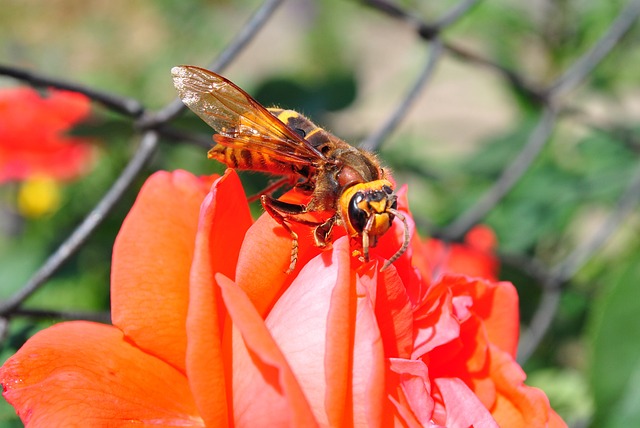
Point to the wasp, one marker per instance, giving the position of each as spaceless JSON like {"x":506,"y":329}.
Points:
{"x":346,"y":186}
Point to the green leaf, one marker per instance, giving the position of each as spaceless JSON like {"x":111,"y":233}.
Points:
{"x":626,"y":412}
{"x":615,"y":338}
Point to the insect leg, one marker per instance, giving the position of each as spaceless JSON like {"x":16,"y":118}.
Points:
{"x":269,"y":189}
{"x":322,"y":232}
{"x":281,"y":212}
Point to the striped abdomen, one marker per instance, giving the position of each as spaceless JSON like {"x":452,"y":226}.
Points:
{"x":251,"y":160}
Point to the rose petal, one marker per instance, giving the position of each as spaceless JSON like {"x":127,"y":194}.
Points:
{"x":415,"y":386}
{"x":476,"y":257}
{"x":151,"y":262}
{"x":87,"y":374}
{"x":466,"y":358}
{"x":368,"y":365}
{"x":502,"y":320}
{"x":463,"y":407}
{"x":263,"y":383}
{"x":435,"y":323}
{"x":518,"y":405}
{"x":298,"y":322}
{"x":495,"y":303}
{"x":481,"y":237}
{"x":340,"y":333}
{"x":393,"y":311}
{"x":224,"y":220}
{"x":265,"y":257}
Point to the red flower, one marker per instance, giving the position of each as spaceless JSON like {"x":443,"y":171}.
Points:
{"x":31,"y":134}
{"x":474,"y":257}
{"x":210,"y":331}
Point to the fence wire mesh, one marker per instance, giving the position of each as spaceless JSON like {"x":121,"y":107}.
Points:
{"x":551,"y":99}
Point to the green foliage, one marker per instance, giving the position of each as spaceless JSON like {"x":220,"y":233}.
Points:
{"x":614,"y":336}
{"x":335,"y":92}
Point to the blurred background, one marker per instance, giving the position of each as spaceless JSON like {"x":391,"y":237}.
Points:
{"x":513,"y":114}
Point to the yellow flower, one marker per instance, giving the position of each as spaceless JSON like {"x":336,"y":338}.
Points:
{"x":38,"y":196}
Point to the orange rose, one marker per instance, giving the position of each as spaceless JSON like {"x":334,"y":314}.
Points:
{"x":210,"y":331}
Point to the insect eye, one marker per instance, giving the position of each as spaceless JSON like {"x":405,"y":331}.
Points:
{"x":388,"y":190}
{"x":357,"y":216}
{"x":300,"y":132}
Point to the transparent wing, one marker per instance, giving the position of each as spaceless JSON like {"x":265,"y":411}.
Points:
{"x":239,"y":119}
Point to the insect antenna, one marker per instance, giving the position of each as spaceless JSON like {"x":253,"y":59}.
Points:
{"x":405,"y":243}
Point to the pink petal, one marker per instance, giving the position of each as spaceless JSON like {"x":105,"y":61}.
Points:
{"x":416,"y":387}
{"x":463,"y":408}
{"x":300,"y":324}
{"x":265,"y":390}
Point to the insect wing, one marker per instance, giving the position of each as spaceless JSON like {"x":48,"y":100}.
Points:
{"x":240,"y":120}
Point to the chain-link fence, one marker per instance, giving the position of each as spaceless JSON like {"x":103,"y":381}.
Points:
{"x":565,"y":81}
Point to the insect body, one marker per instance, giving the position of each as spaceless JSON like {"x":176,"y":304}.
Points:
{"x":346,"y":182}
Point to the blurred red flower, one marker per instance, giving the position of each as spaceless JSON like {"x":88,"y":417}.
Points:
{"x":474,"y":257}
{"x":210,"y":331}
{"x":32,"y":140}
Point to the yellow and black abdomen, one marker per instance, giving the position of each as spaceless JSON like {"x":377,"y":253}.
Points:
{"x":251,"y":160}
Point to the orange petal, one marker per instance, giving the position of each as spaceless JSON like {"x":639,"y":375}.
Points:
{"x":555,"y":421}
{"x":517,"y":404}
{"x":264,"y":259}
{"x":87,"y":374}
{"x":224,"y":220}
{"x":495,"y":303}
{"x":436,"y":324}
{"x":265,"y":390}
{"x":368,"y":365}
{"x":502,"y":321}
{"x":151,"y":262}
{"x":340,"y":334}
{"x":394,"y":313}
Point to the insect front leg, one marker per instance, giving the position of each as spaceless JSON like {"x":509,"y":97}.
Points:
{"x":322,"y":232}
{"x":282,"y":212}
